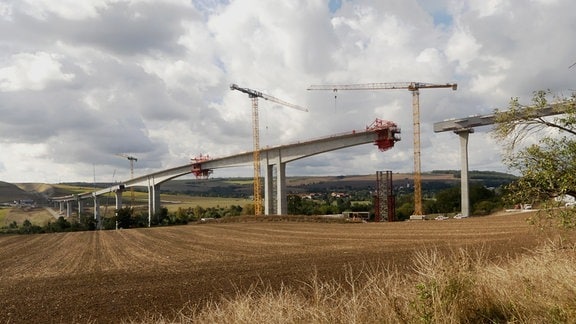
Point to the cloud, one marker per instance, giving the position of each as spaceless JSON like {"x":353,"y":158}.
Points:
{"x":32,"y":71}
{"x":83,"y":81}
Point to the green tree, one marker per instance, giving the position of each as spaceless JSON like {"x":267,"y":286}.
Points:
{"x":124,"y":217}
{"x":448,"y":200}
{"x":547,"y":168}
{"x":518,"y":122}
{"x":248,"y":209}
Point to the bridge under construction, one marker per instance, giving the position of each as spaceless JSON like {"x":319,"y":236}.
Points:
{"x":383,"y":134}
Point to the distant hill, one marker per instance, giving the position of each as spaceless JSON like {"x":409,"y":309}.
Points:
{"x":10,"y":192}
{"x":242,"y":187}
{"x":431,"y":181}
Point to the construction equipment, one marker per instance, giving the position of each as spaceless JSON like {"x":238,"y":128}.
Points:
{"x":254,"y":95}
{"x":132,"y":159}
{"x":414,"y":87}
{"x":197,"y":166}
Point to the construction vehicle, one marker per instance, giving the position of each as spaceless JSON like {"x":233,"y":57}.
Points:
{"x":414,"y":87}
{"x":254,"y":95}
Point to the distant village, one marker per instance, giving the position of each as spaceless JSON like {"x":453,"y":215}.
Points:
{"x":22,"y":203}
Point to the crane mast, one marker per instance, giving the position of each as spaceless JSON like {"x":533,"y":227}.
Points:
{"x":254,"y":95}
{"x":132,"y":159}
{"x":413,"y":87}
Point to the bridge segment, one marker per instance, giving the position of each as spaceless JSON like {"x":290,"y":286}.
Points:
{"x":463,"y":127}
{"x":382,"y":133}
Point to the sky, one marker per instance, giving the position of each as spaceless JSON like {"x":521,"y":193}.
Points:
{"x":83,"y":82}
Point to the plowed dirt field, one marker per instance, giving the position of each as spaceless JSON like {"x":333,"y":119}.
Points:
{"x":109,"y":276}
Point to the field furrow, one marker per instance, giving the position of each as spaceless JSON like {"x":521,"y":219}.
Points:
{"x":111,"y":275}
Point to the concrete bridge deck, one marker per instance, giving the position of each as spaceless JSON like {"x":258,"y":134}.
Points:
{"x":382,"y":133}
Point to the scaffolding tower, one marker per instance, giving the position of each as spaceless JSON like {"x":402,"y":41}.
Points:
{"x":385,"y":202}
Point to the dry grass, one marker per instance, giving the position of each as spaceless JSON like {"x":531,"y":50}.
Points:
{"x":3,"y":212}
{"x":173,"y":202}
{"x":37,"y":216}
{"x":456,"y":287}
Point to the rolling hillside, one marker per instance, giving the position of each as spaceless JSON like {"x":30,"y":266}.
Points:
{"x":10,"y":192}
{"x":242,"y":187}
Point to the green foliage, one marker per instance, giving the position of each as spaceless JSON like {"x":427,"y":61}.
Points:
{"x":405,"y":210}
{"x":482,"y":200}
{"x":519,"y":122}
{"x":548,"y":168}
{"x":326,"y":205}
{"x":484,"y":207}
{"x":161,"y":218}
{"x":124,"y":217}
{"x":29,"y":228}
{"x":448,"y":200}
{"x":61,"y":225}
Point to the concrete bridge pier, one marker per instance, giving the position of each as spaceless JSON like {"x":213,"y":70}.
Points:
{"x":68,"y":208}
{"x":80,"y":207}
{"x":118,"y":195}
{"x":280,"y":199}
{"x":153,"y":201}
{"x":61,"y":206}
{"x":97,"y":213}
{"x":464,"y":178}
{"x":268,"y":190}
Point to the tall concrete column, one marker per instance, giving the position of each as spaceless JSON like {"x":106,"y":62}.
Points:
{"x":281,"y":200}
{"x":153,"y":202}
{"x":268,"y":190}
{"x":68,"y":208}
{"x":118,"y":195}
{"x":464,"y":178}
{"x":61,"y":206}
{"x":80,"y":207}
{"x":97,"y":213}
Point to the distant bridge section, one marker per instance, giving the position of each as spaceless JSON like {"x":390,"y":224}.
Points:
{"x":465,"y":126}
{"x":383,"y":134}
{"x":469,"y":122}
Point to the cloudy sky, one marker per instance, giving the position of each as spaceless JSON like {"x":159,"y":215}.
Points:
{"x":83,"y":81}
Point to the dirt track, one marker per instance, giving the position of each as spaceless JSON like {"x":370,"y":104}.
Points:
{"x":112,"y":275}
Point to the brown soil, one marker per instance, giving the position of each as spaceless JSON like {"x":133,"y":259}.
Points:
{"x":109,"y":276}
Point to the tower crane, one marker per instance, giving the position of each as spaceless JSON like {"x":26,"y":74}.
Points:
{"x":413,"y":87}
{"x":132,"y":159}
{"x":254,"y":95}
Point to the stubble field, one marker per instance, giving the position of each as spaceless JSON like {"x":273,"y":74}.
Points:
{"x":110,"y":276}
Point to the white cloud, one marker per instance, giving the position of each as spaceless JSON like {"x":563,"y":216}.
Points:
{"x":68,"y":9}
{"x":31,"y":71}
{"x":463,"y":48}
{"x":83,"y":80}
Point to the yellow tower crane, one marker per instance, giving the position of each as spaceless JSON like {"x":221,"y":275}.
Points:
{"x":132,"y":159}
{"x":254,"y":95}
{"x":414,"y":87}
